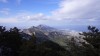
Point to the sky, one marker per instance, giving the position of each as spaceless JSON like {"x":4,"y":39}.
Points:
{"x":57,"y":13}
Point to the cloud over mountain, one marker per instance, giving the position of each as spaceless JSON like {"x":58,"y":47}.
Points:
{"x":71,"y":12}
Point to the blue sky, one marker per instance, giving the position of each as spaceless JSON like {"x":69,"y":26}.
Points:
{"x":57,"y":13}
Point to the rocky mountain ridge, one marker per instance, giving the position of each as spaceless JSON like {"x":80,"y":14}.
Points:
{"x":61,"y":37}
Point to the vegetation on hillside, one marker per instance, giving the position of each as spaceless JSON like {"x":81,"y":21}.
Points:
{"x":93,"y":38}
{"x":13,"y":44}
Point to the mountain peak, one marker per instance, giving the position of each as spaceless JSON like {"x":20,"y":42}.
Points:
{"x":45,"y":27}
{"x":41,"y":25}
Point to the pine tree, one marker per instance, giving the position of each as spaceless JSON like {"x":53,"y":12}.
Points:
{"x":10,"y":41}
{"x":93,"y":37}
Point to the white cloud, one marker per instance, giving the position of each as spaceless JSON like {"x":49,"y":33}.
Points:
{"x":5,"y":11}
{"x":32,"y":17}
{"x":77,"y":9}
{"x":92,"y":19}
{"x":8,"y":20}
{"x":71,"y":10}
{"x":39,"y":16}
{"x":4,"y":1}
{"x":22,"y":17}
{"x":18,"y":2}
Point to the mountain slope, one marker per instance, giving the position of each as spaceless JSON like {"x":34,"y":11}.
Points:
{"x":61,"y":37}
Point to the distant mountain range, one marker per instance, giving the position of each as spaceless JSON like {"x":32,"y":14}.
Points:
{"x":61,"y":37}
